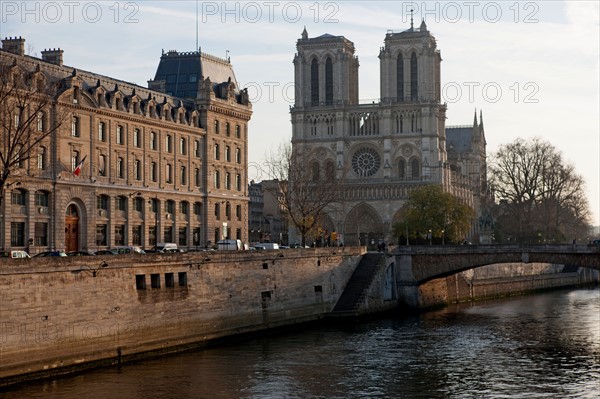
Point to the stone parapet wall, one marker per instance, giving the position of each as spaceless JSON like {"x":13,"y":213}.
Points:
{"x":55,"y":316}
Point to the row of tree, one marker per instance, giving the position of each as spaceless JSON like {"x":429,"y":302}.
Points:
{"x":534,"y":196}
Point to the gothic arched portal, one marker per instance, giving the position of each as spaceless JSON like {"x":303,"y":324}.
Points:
{"x":363,"y":226}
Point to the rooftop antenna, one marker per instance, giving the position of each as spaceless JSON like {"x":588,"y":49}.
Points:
{"x":411,"y":18}
{"x":197,"y":25}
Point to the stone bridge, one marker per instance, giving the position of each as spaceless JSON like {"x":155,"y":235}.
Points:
{"x":420,"y":264}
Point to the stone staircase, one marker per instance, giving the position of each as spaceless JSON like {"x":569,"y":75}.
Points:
{"x":357,"y":287}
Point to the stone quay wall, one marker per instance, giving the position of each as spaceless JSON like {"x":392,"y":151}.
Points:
{"x":59,"y":315}
{"x":498,"y":280}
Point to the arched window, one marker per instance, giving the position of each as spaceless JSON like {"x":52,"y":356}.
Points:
{"x":120,"y":168}
{"x":183,"y":175}
{"x":402,"y":169}
{"x":227,"y":180}
{"x":227,"y":153}
{"x":415,"y":168}
{"x":314,"y":82}
{"x":153,"y":176}
{"x":315,"y":171}
{"x":414,"y":92}
{"x":400,"y":77}
{"x":168,"y":173}
{"x":328,"y":81}
{"x":330,"y":170}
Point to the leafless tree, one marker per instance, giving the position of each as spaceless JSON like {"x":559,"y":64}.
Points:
{"x":304,"y":195}
{"x":27,"y":116}
{"x":542,"y":198}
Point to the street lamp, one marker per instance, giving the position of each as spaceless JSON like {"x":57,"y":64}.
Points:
{"x":430,"y":237}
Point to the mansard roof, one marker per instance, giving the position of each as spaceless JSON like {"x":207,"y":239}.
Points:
{"x":176,"y":68}
{"x":89,"y":81}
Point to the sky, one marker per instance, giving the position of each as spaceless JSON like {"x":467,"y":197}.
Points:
{"x":531,"y":67}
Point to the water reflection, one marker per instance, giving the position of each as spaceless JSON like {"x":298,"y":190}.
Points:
{"x":543,"y":346}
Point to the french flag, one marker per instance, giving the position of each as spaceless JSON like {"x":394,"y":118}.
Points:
{"x":77,"y":170}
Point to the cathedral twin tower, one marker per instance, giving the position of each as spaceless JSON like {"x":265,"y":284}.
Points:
{"x":381,"y":150}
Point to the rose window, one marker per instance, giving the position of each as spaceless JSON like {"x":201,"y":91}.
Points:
{"x":366,"y":162}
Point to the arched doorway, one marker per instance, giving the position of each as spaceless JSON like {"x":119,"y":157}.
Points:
{"x":364,"y":227}
{"x":72,"y":229}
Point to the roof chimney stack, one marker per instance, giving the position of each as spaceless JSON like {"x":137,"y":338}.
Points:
{"x":14,"y":45}
{"x":54,"y":56}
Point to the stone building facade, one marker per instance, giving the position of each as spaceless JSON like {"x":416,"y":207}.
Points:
{"x":157,"y":165}
{"x":380,"y":150}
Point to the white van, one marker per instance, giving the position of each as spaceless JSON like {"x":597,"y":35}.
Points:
{"x":15,"y":254}
{"x":165,"y":247}
{"x":229,"y":245}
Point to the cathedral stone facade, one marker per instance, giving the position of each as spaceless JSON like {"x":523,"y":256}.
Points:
{"x":166,"y":163}
{"x":380,"y":150}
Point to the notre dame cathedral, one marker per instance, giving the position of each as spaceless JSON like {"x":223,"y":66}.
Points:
{"x":382,"y":150}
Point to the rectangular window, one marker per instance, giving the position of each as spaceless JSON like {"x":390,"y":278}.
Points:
{"x":218,"y":211}
{"x":75,"y":126}
{"x":197,"y":177}
{"x":183,"y":175}
{"x":153,"y":176}
{"x":196,"y":236}
{"x":41,"y":234}
{"x":136,"y":235}
{"x":170,"y":207}
{"x":183,"y":236}
{"x":169,"y":234}
{"x":152,"y":235}
{"x":17,"y":234}
{"x":120,"y":234}
{"x":237,"y":131}
{"x":168,"y":141}
{"x":238,"y":182}
{"x":182,"y":146}
{"x":138,"y":204}
{"x":217,"y":152}
{"x":102,"y":202}
{"x":102,"y":165}
{"x":198,"y":208}
{"x":101,"y":235}
{"x":197,"y":149}
{"x":40,"y":121}
{"x":182,"y":277}
{"x":42,"y":158}
{"x":238,"y":155}
{"x":101,"y":131}
{"x":238,"y":212}
{"x":193,"y":78}
{"x":153,"y":140}
{"x":227,"y":129}
{"x":168,"y":174}
{"x":120,"y":135}
{"x":137,"y":138}
{"x":120,"y":168}
{"x":169,"y":280}
{"x":140,"y":281}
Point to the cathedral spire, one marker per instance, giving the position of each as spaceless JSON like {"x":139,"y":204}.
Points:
{"x":304,"y":34}
{"x":481,"y":118}
{"x":411,"y":20}
{"x":475,"y":119}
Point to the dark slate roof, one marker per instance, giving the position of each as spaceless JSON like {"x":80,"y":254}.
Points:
{"x":458,"y":138}
{"x":183,"y":70}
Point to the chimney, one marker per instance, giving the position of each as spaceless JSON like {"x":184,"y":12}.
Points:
{"x":54,"y":56}
{"x":14,"y":45}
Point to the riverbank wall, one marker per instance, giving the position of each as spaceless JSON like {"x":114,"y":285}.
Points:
{"x":63,"y":315}
{"x":59,"y":315}
{"x":499,"y":280}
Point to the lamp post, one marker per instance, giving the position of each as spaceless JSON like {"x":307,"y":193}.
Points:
{"x":430,"y":237}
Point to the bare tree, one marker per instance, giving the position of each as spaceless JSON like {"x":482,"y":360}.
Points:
{"x":541,"y":196}
{"x":304,"y":195}
{"x":27,"y":116}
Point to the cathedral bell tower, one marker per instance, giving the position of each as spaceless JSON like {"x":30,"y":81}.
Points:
{"x":326,"y":71}
{"x":410,"y":67}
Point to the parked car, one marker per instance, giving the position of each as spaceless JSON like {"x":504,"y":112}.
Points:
{"x":166,"y":247}
{"x":267,"y":246}
{"x":132,"y":249}
{"x":79,"y":253}
{"x":106,"y":252}
{"x":50,"y":253}
{"x":14,"y":254}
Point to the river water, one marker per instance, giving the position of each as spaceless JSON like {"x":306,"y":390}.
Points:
{"x":540,"y":346}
